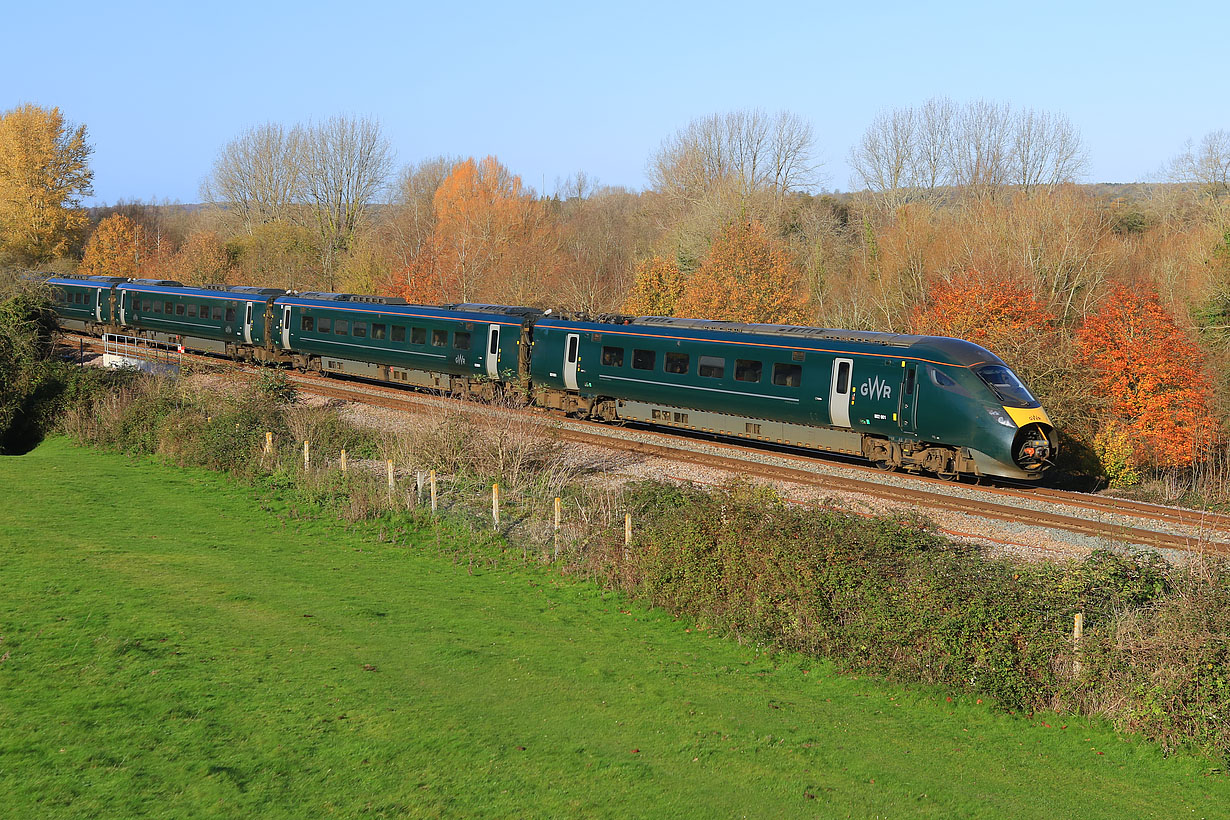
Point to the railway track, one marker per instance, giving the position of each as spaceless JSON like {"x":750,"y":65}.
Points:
{"x":1096,"y":517}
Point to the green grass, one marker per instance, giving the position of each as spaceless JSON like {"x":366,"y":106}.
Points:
{"x":178,"y":648}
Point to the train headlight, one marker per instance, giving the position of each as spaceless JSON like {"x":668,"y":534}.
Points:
{"x":1001,"y":417}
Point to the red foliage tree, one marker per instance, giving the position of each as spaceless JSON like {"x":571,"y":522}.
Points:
{"x":1151,"y":376}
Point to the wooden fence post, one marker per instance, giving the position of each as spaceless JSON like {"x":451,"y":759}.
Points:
{"x":268,"y":443}
{"x":557,"y":517}
{"x":433,"y":491}
{"x":627,"y":533}
{"x":1078,"y":630}
{"x":389,"y":465}
{"x":307,"y":458}
{"x":495,"y":505}
{"x":343,"y":462}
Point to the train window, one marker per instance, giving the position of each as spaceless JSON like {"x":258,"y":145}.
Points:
{"x":643,"y":359}
{"x":179,"y":309}
{"x":495,"y":341}
{"x":324,"y":324}
{"x":157,"y":307}
{"x":168,"y":308}
{"x":747,"y":370}
{"x":230,"y":313}
{"x":439,"y":338}
{"x":307,"y":323}
{"x":340,"y":328}
{"x":217,"y":313}
{"x":941,"y":378}
{"x":909,"y":382}
{"x":399,"y":333}
{"x":360,"y":330}
{"x":191,"y":311}
{"x":378,"y":331}
{"x":204,"y":311}
{"x":711,"y":367}
{"x":613,"y":356}
{"x":461,"y":340}
{"x":418,"y":336}
{"x":787,"y":375}
{"x":843,"y":379}
{"x":76,"y":298}
{"x":147,"y":306}
{"x":677,"y":363}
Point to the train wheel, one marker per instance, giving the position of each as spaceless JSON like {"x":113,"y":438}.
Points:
{"x":884,"y":466}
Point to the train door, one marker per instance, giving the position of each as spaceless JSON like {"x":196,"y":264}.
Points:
{"x":98,"y":305}
{"x":123,"y":307}
{"x":493,"y":351}
{"x":839,"y":392}
{"x":247,"y":323}
{"x":909,"y":397}
{"x":286,"y":327}
{"x":571,"y":348}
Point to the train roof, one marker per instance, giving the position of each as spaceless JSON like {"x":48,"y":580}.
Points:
{"x":935,"y":349}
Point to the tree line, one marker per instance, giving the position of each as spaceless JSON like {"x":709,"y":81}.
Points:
{"x":968,"y":220}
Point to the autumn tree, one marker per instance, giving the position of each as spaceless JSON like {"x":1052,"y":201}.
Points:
{"x":118,"y":247}
{"x":1150,"y":376}
{"x":745,"y":277}
{"x":44,"y":173}
{"x":201,"y":260}
{"x":656,"y":288}
{"x":492,"y":240}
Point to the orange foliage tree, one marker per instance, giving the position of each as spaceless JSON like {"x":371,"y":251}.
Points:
{"x":118,"y":247}
{"x":745,"y":277}
{"x":656,"y":288}
{"x":201,"y":260}
{"x":994,"y":311}
{"x":1150,"y":375}
{"x":492,"y":241}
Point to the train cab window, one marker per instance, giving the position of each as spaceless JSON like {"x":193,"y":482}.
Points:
{"x":677,"y":363}
{"x":439,"y":338}
{"x":360,"y":330}
{"x":307,"y":323}
{"x":324,"y":324}
{"x":787,"y":375}
{"x":418,"y":336}
{"x":341,"y":328}
{"x":217,"y":313}
{"x":612,"y":356}
{"x":230,"y":313}
{"x":191,"y":311}
{"x":711,"y":367}
{"x":399,"y":333}
{"x":644,"y":359}
{"x":378,"y":331}
{"x":168,"y":308}
{"x":747,"y":370}
{"x":461,"y":340}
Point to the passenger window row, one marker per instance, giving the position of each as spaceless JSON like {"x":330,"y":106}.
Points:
{"x":217,"y":313}
{"x":379,"y":330}
{"x":708,"y":367}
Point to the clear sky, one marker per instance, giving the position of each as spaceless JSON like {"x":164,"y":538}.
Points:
{"x":552,"y":88}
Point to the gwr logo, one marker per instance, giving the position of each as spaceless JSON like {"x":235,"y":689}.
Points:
{"x":876,"y":389}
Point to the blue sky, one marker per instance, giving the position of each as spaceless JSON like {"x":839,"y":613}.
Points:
{"x":552,"y":88}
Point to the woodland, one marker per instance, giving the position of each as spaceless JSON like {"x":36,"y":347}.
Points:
{"x":969,"y":219}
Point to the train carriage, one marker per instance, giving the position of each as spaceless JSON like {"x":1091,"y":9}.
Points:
{"x":940,"y":405}
{"x":462,"y":348}
{"x":84,"y":302}
{"x":234,"y":321}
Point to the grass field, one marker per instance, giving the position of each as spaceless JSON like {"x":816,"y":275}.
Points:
{"x":175,"y":647}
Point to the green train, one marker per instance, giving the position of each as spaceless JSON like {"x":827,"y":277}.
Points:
{"x":924,"y":404}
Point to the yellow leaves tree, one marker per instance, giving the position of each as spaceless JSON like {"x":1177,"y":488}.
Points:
{"x":118,"y":247}
{"x":745,"y":277}
{"x":44,"y":173}
{"x":656,"y":289}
